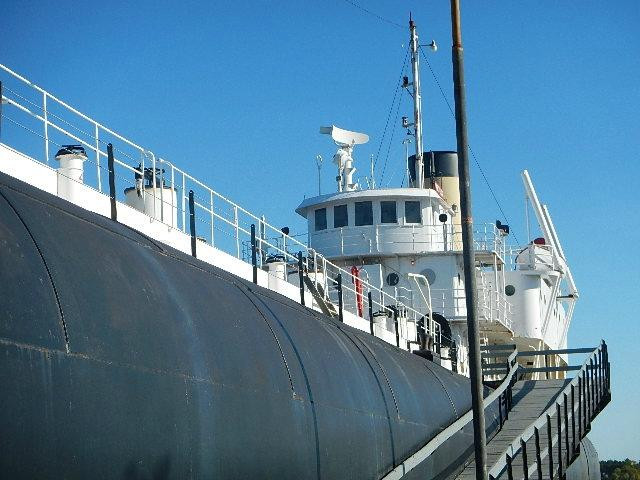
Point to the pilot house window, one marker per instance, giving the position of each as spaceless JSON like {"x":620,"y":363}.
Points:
{"x":321,"y":219}
{"x":340,"y":216}
{"x":412,"y":212}
{"x":388,"y":212}
{"x":364,"y":213}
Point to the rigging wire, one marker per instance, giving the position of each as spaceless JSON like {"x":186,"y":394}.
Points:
{"x":475,"y":160}
{"x":393,"y":102}
{"x":379,"y":17}
{"x":393,"y":132}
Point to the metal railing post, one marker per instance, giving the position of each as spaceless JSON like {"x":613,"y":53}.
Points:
{"x":369,"y":299}
{"x":605,"y":360}
{"x":538,"y":459}
{"x":301,"y":277}
{"x":212,"y":218}
{"x":559,"y":415}
{"x":599,"y":376}
{"x":550,"y":445}
{"x":579,"y":408}
{"x":235,"y":224}
{"x":192,"y":222}
{"x":573,"y":422}
{"x":46,"y":127}
{"x":525,"y":463}
{"x":184,"y":197}
{"x":592,"y":385}
{"x":566,"y":430}
{"x":162,"y":194}
{"x":585,"y":396}
{"x":254,"y":262}
{"x":112,"y":183}
{"x":340,"y":302}
{"x":325,"y":278}
{"x":395,"y":325}
{"x":509,"y":468}
{"x":98,"y":172}
{"x":174,"y":207}
{"x":154,"y":189}
{"x":587,"y":401}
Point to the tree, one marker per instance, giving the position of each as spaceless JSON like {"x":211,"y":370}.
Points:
{"x":620,"y":470}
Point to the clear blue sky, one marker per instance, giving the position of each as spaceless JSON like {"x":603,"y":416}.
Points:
{"x":235,"y":92}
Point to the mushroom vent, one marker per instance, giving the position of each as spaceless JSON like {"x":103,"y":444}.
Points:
{"x":71,"y":150}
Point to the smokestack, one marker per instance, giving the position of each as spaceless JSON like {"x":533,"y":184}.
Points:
{"x":441,"y":174}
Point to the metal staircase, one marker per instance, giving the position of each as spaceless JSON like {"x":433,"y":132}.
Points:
{"x":541,"y":422}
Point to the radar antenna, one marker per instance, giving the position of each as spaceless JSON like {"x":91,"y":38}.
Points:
{"x":345,"y":140}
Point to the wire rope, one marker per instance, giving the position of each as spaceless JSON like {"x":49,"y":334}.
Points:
{"x":475,"y":159}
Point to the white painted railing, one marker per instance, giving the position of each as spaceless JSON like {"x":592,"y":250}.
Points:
{"x":393,"y":238}
{"x":220,"y":222}
{"x":492,"y":305}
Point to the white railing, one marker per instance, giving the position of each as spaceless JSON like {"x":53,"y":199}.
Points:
{"x":532,"y":257}
{"x":492,"y":305}
{"x":393,"y":238}
{"x":227,"y":225}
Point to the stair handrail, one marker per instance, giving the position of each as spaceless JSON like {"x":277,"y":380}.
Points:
{"x":602,"y":387}
{"x":418,"y":457}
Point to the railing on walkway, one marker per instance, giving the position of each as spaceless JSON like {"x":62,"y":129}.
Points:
{"x":564,"y":424}
{"x":492,"y":306}
{"x":195,"y":208}
{"x":500,"y":397}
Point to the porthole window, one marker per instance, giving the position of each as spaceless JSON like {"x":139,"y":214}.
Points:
{"x":509,"y":290}
{"x":430,"y":275}
{"x":393,"y":279}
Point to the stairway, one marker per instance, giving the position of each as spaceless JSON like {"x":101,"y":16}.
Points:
{"x":542,"y":422}
{"x":531,"y":398}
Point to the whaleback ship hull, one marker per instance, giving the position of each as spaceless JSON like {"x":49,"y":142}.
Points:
{"x":124,"y":358}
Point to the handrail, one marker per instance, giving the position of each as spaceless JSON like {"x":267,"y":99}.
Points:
{"x":592,"y":381}
{"x":92,"y":142}
{"x":418,"y":457}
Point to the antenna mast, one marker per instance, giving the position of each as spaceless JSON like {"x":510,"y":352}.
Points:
{"x":417,"y":105}
{"x":373,"y":179}
{"x":319,"y":165}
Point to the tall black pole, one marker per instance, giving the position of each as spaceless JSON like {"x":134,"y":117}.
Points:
{"x":468,"y":254}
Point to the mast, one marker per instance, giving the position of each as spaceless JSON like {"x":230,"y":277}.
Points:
{"x":417,"y":105}
{"x":468,"y":253}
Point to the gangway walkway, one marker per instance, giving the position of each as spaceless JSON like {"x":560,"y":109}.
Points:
{"x":531,"y":398}
{"x":541,"y":422}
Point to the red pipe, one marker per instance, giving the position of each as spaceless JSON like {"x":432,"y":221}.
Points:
{"x":355,"y":278}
